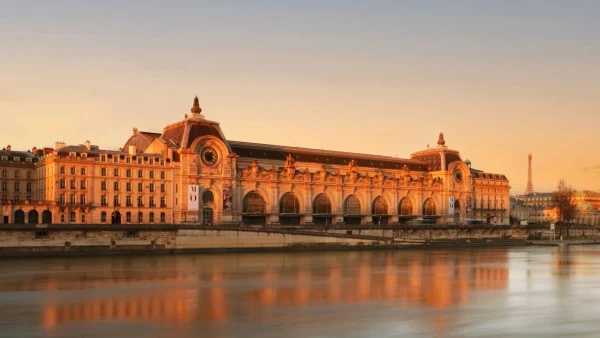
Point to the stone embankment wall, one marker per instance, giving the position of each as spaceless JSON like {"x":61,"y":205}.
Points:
{"x":16,"y":241}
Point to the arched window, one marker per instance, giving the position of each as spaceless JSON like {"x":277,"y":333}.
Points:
{"x":289,"y":204}
{"x":406,"y":207}
{"x":207,"y":196}
{"x":254,"y":204}
{"x":32,"y":217}
{"x":162,"y":217}
{"x":72,"y":217}
{"x":352,"y":206}
{"x":380,"y":206}
{"x":103,"y":217}
{"x":322,"y":205}
{"x":429,"y":208}
{"x":19,"y":217}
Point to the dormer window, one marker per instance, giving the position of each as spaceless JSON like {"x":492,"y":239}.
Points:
{"x":16,"y":159}
{"x":4,"y":158}
{"x":84,"y":155}
{"x":73,"y":154}
{"x":28,"y":160}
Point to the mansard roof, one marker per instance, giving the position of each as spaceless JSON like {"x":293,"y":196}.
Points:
{"x":277,"y":152}
{"x":21,"y":155}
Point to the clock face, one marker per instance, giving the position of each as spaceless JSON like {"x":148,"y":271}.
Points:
{"x":209,"y":156}
{"x":458,"y":176}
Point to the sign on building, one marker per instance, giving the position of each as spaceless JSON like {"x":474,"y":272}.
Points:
{"x":451,"y":205}
{"x":193,"y":196}
{"x":469,"y":202}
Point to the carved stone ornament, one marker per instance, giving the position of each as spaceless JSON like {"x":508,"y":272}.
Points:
{"x":289,"y":161}
{"x":380,"y":177}
{"x":352,"y":165}
{"x":251,"y":171}
{"x":351,"y":176}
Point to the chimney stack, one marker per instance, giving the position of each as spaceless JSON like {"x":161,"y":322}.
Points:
{"x":8,"y":148}
{"x":88,"y":145}
{"x":59,"y":145}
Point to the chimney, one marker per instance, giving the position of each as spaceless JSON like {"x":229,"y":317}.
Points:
{"x":34,"y":150}
{"x":8,"y":148}
{"x":132,"y":150}
{"x":59,"y":145}
{"x":88,"y":145}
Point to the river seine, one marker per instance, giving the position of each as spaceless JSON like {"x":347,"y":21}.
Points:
{"x":496,"y":292}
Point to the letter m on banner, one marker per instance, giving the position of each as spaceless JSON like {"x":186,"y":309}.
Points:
{"x":193,"y":193}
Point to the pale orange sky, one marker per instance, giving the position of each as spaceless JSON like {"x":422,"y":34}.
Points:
{"x":377,"y":78}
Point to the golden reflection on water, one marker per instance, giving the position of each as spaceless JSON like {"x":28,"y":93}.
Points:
{"x":217,"y":289}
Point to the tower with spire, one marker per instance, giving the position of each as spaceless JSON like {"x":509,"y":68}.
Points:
{"x":529,"y":190}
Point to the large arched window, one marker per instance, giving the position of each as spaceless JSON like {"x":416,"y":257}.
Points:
{"x":429,"y":208}
{"x":254,"y":204}
{"x":380,"y":206}
{"x":352,"y":206}
{"x":289,"y":204}
{"x":406,"y":207}
{"x":322,"y":205}
{"x":207,"y":196}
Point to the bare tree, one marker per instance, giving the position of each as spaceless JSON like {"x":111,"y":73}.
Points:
{"x":562,"y":199}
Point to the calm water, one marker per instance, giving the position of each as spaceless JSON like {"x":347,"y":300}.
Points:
{"x":502,"y":292}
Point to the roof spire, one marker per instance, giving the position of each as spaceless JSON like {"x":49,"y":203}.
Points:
{"x":196,"y":107}
{"x":441,"y":140}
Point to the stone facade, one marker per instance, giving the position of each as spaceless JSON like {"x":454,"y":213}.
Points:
{"x":147,"y":181}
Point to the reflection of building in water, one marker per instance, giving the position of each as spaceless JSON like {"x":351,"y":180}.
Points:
{"x":421,"y":279}
{"x":438,"y":282}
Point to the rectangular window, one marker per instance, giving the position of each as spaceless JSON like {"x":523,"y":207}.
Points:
{"x":62,"y":170}
{"x":140,"y":187}
{"x":151,"y":217}
{"x":4,"y":186}
{"x":116,"y":172}
{"x":151,"y":202}
{"x":139,"y":160}
{"x":115,"y":159}
{"x":103,"y":172}
{"x":17,"y":185}
{"x":17,"y":199}
{"x":140,"y":174}
{"x":72,"y":217}
{"x":151,"y":162}
{"x":29,"y":174}
{"x":28,"y":186}
{"x":103,"y":185}
{"x":72,"y":184}
{"x":103,"y":200}
{"x":128,"y":160}
{"x":162,"y":217}
{"x":151,"y":187}
{"x":116,"y":201}
{"x":116,"y":186}
{"x":129,"y":201}
{"x":82,"y":171}
{"x":82,"y":199}
{"x":140,"y":217}
{"x":72,"y":199}
{"x":82,"y":184}
{"x":61,"y":199}
{"x":72,"y":170}
{"x":128,"y":186}
{"x":163,"y":203}
{"x":62,"y":183}
{"x":162,"y":187}
{"x":128,"y":173}
{"x":128,"y":217}
{"x":29,"y":199}
{"x":140,"y":201}
{"x":162,"y":175}
{"x":151,"y":174}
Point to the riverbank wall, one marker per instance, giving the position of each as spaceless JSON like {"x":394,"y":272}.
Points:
{"x":52,"y":240}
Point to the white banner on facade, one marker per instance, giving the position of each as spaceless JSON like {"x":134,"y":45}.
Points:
{"x":193,"y":191}
{"x":451,"y":205}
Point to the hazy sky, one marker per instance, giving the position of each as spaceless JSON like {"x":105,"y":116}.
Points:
{"x":499,"y":78}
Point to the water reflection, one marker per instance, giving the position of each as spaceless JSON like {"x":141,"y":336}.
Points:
{"x":222,"y":289}
{"x":467,"y":293}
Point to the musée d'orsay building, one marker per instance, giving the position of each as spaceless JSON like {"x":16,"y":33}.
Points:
{"x":191,"y":173}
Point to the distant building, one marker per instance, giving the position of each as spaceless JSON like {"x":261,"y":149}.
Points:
{"x":190,"y":173}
